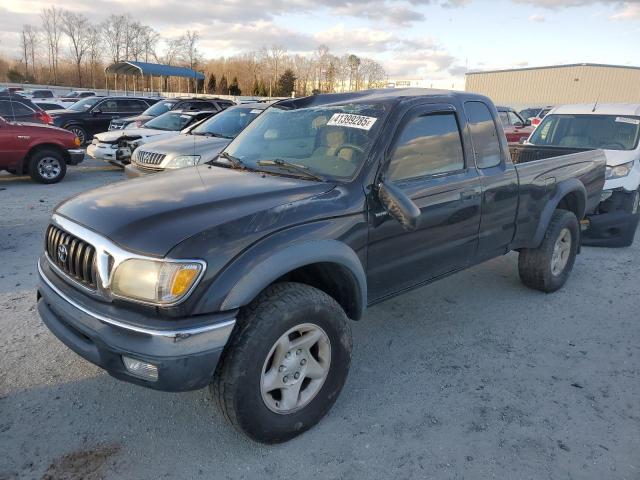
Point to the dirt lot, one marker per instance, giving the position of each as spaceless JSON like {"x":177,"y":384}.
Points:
{"x":474,"y":377}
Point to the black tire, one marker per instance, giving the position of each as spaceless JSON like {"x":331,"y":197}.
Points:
{"x":47,"y":166}
{"x":79,"y":132}
{"x":535,"y":265}
{"x":237,"y":382}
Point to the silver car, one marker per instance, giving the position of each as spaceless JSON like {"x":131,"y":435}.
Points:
{"x":200,"y":145}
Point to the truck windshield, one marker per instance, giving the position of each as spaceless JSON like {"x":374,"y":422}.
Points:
{"x":228,"y":123}
{"x":608,"y":132}
{"x":173,"y":121}
{"x":330,"y":141}
{"x":84,"y":104}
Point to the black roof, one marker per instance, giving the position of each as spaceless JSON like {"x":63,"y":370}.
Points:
{"x":381,"y":95}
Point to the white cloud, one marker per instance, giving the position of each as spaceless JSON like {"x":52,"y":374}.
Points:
{"x":630,"y":12}
{"x":536,"y":17}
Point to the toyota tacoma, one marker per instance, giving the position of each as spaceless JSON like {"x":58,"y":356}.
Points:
{"x":242,"y":274}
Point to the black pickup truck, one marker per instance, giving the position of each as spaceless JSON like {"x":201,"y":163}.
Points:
{"x":243,"y":273}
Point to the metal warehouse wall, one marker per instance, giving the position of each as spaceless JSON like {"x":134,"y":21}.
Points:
{"x":558,"y":85}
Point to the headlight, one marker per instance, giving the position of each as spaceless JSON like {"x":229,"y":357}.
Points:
{"x":155,"y":281}
{"x":183,"y":161}
{"x":134,"y":156}
{"x":618,"y":171}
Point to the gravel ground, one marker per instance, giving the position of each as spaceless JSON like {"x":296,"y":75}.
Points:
{"x":473,"y":377}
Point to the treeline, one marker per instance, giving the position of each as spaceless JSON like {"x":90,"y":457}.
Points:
{"x":67,"y":49}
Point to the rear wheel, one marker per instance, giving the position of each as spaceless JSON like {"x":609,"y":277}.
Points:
{"x":285,"y":363}
{"x":547,"y":267}
{"x":47,"y":166}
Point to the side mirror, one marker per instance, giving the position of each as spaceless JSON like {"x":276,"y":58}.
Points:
{"x":399,"y":205}
{"x":518,"y":125}
{"x":527,"y":122}
{"x":96,"y":111}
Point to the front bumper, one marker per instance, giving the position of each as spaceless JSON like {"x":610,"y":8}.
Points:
{"x":76,"y":156}
{"x":133,"y":171}
{"x":616,"y":221}
{"x":102,"y":151}
{"x":186,"y":357}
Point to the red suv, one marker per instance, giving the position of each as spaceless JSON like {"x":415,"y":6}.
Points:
{"x":515,"y":127}
{"x":42,"y":151}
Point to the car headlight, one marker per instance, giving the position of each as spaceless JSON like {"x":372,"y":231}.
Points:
{"x":618,"y":171}
{"x":134,"y":156}
{"x":155,"y":281}
{"x":183,"y":161}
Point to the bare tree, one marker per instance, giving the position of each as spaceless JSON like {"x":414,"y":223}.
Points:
{"x":76,"y":26}
{"x":191,"y":53}
{"x":114,"y":30}
{"x":94,"y":52}
{"x":52,"y":26}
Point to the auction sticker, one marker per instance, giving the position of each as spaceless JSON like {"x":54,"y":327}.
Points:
{"x":632,"y":121}
{"x":353,"y":121}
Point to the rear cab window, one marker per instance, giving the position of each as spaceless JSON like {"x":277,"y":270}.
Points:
{"x":484,"y":135}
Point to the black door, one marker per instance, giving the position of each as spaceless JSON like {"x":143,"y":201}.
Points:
{"x":428,"y":162}
{"x":100,"y":116}
{"x":499,"y":182}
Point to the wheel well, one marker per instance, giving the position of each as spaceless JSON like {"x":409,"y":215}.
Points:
{"x":40,"y":147}
{"x":333,"y":279}
{"x":573,"y":202}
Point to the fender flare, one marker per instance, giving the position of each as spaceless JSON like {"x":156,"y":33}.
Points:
{"x":566,"y":187}
{"x":291,"y":258}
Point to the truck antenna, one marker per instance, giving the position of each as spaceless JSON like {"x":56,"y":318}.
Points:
{"x":595,"y":105}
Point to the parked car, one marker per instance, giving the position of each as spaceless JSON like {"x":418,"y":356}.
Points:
{"x":242,"y":273}
{"x":535,"y":121}
{"x":615,"y":129}
{"x":199,"y":145}
{"x":116,"y":146}
{"x":39,"y":95}
{"x":195,"y":103}
{"x":77,"y":95}
{"x":529,"y":113}
{"x":52,"y":105}
{"x":92,"y":115}
{"x":41,"y":151}
{"x":17,"y":108}
{"x":515,"y":127}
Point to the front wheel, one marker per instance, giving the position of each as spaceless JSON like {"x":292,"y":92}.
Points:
{"x":285,"y":363}
{"x":547,"y":267}
{"x":47,"y":166}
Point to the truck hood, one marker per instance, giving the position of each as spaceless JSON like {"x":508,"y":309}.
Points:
{"x":114,"y":135}
{"x":618,"y":157}
{"x":151,"y":215}
{"x":185,"y":144}
{"x":42,"y":126}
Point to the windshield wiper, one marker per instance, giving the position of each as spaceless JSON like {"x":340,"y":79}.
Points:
{"x":235,"y":161}
{"x":292,"y":166}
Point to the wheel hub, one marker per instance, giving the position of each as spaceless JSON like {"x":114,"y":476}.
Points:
{"x":295,"y":369}
{"x":561,"y":252}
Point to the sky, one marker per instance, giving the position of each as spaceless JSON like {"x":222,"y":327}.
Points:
{"x":436,"y":40}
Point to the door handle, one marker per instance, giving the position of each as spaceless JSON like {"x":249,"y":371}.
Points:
{"x":467,"y":194}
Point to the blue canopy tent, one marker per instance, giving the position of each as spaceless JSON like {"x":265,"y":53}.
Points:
{"x":150,"y":70}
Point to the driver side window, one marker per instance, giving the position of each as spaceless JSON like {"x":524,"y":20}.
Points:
{"x":427,"y":145}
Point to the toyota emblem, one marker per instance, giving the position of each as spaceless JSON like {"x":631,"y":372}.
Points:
{"x":62,"y":253}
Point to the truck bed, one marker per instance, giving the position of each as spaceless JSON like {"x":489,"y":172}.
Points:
{"x":541,"y":171}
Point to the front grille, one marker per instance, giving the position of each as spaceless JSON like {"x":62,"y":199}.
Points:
{"x":73,"y":256}
{"x":150,"y":158}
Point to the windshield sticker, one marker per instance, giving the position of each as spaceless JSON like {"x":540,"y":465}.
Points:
{"x":632,"y":121}
{"x":353,"y":121}
{"x":255,"y":111}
